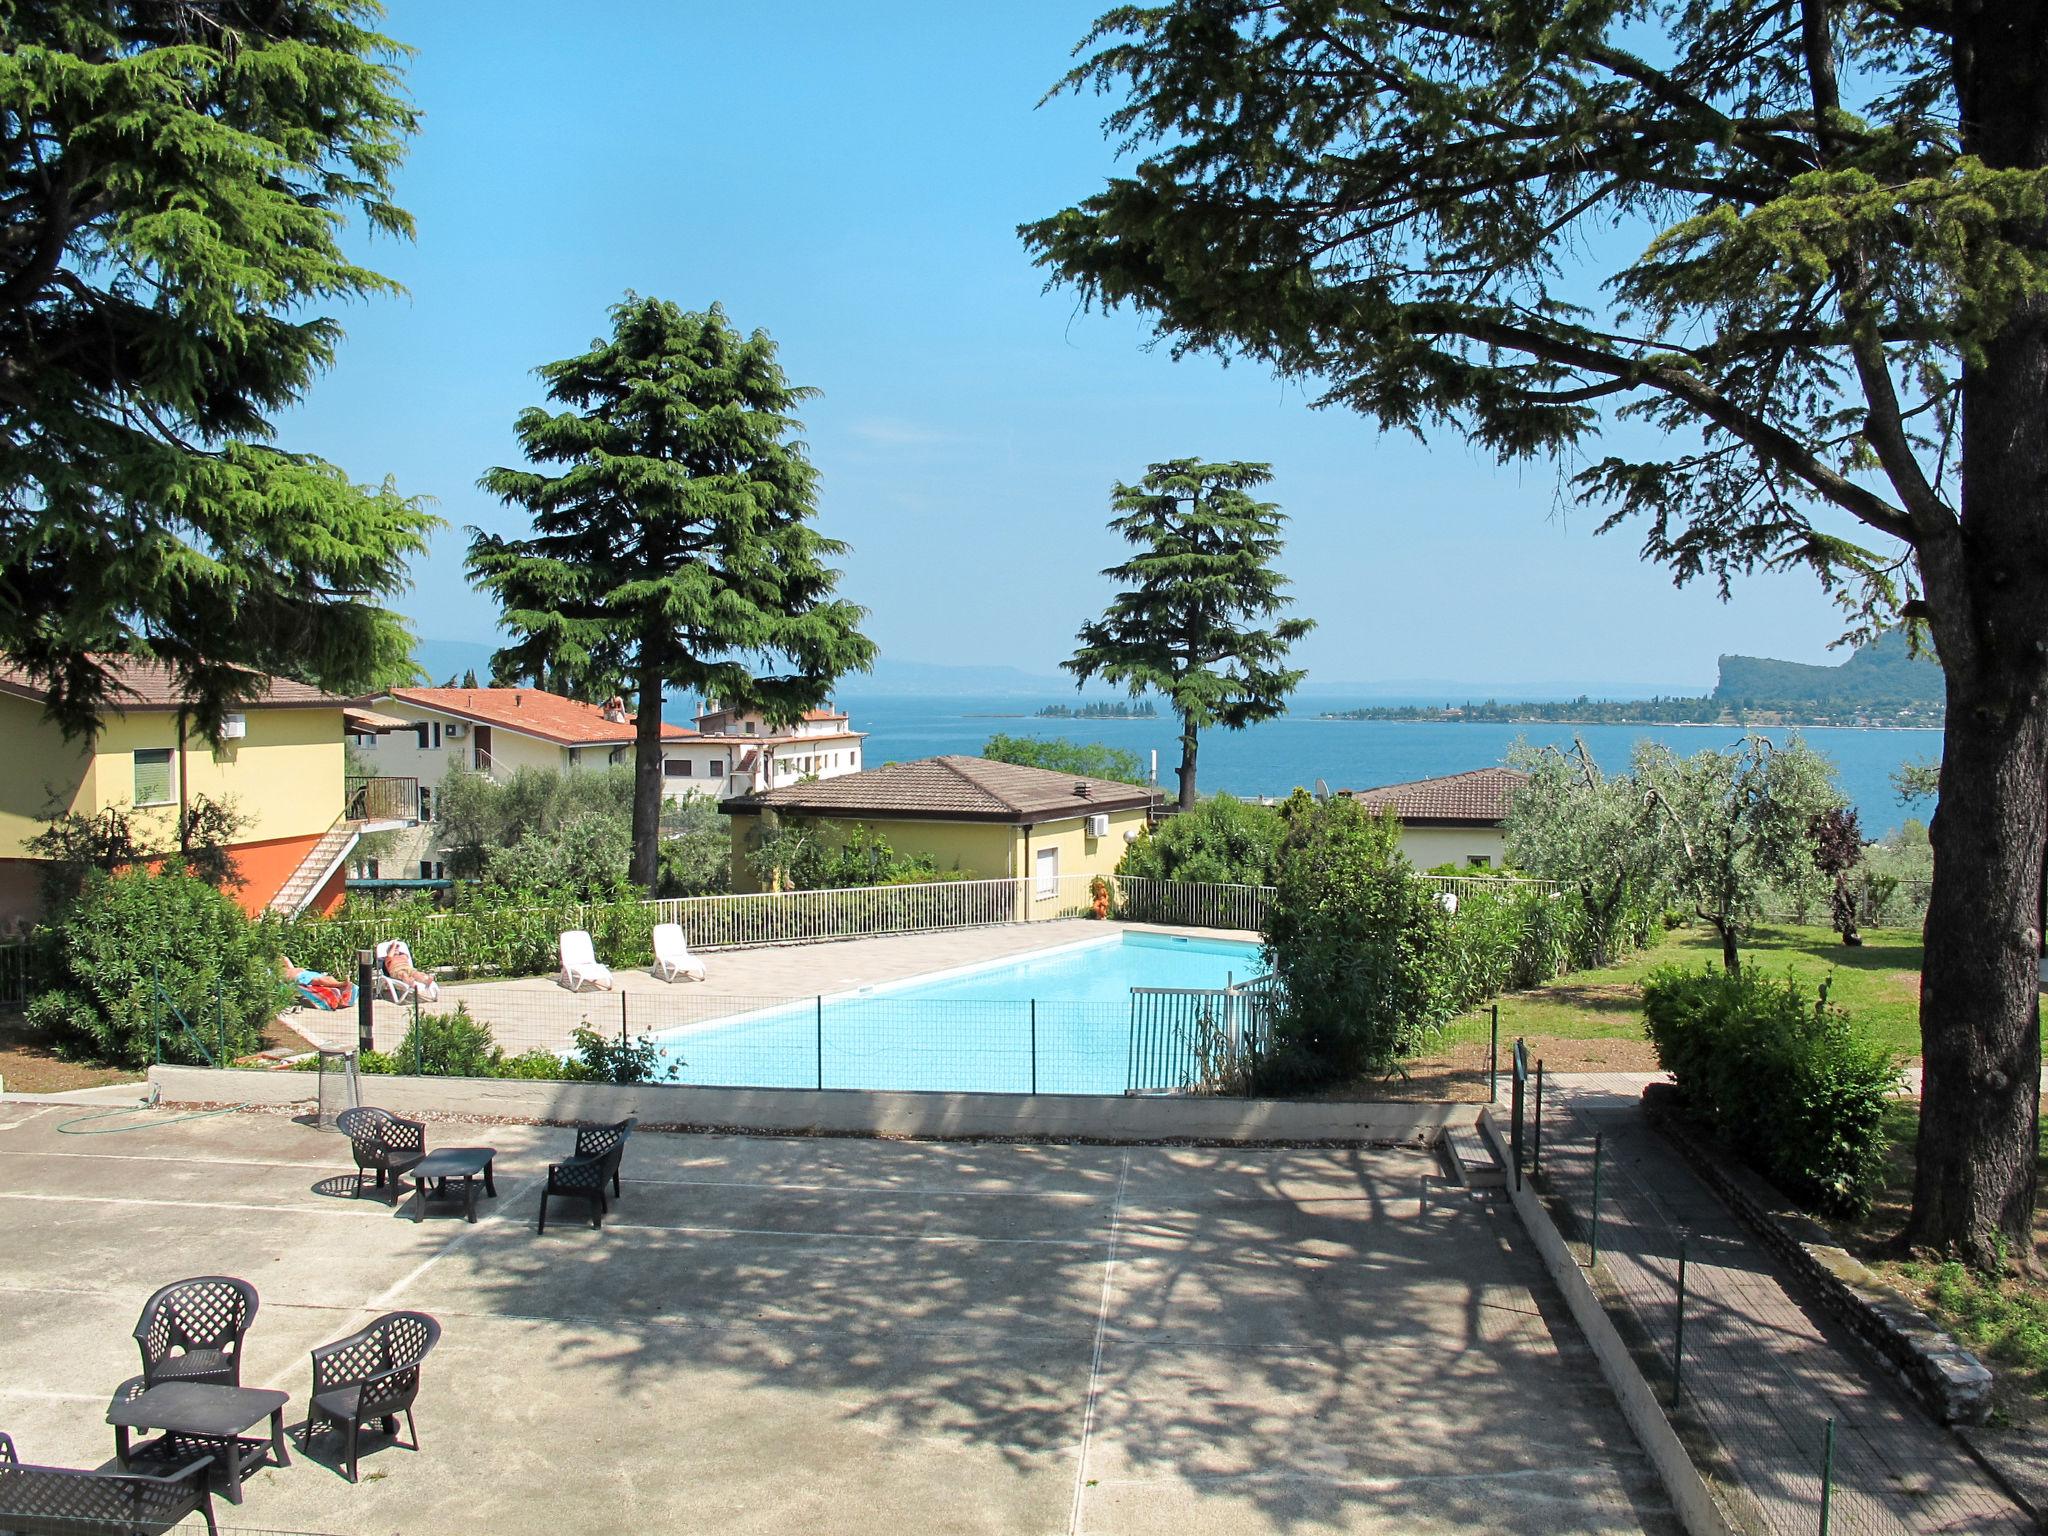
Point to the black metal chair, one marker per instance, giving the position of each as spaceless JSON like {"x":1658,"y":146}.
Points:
{"x":593,"y":1165}
{"x":371,"y":1375}
{"x":70,"y":1501}
{"x":383,"y":1142}
{"x":192,"y":1330}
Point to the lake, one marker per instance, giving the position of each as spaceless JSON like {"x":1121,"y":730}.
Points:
{"x":1271,"y":759}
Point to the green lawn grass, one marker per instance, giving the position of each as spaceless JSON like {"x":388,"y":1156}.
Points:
{"x":2004,"y":1318}
{"x":1877,"y":984}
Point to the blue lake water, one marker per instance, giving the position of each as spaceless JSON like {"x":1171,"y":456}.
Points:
{"x":1052,"y":1023}
{"x":1273,"y":758}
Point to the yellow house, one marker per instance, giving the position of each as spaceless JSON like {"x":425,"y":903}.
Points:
{"x":973,"y":818}
{"x":279,"y":764}
{"x":1459,"y":818}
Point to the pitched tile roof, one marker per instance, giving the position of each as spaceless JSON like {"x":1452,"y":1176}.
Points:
{"x":141,"y":684}
{"x":951,"y":788}
{"x":1477,"y":798}
{"x":534,"y":712}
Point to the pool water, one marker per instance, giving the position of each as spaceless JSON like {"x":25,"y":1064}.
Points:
{"x":1055,"y":1022}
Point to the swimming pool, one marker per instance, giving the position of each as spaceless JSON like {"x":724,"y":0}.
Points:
{"x":1057,"y":1021}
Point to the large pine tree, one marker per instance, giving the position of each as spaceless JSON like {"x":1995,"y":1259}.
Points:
{"x":173,"y":182}
{"x":1202,"y":581}
{"x":675,"y":545}
{"x":1807,"y":242}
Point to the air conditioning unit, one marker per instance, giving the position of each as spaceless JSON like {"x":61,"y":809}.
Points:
{"x":1098,"y":825}
{"x":234,"y":727}
{"x":454,"y":730}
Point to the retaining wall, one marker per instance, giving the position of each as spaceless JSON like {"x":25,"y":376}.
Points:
{"x":851,"y":1112}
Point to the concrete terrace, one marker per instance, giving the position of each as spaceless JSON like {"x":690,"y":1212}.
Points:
{"x":840,"y":1336}
{"x":537,"y":1011}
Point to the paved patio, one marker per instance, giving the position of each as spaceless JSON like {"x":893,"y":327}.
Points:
{"x":842,"y":1336}
{"x":532,"y":1012}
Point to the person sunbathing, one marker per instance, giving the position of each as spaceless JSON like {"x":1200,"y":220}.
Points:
{"x":319,"y":988}
{"x":398,"y":966}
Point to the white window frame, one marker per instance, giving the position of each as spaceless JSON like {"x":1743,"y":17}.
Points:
{"x":1045,"y":873}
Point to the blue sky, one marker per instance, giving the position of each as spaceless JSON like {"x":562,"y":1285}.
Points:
{"x":850,"y":178}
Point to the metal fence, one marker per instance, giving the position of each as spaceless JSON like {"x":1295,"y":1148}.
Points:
{"x":877,"y":1042}
{"x":1669,"y":1262}
{"x":1188,"y":904}
{"x":1156,"y":1040}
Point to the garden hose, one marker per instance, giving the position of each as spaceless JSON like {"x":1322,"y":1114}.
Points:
{"x":67,"y":1128}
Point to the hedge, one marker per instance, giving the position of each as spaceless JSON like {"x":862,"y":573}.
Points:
{"x":1779,"y":1074}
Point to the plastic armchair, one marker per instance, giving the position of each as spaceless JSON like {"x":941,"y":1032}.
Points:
{"x":589,"y":1170}
{"x":371,"y":1375}
{"x":382,"y":1142}
{"x":192,"y":1330}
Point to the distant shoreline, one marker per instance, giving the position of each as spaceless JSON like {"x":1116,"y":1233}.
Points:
{"x":1660,"y":725}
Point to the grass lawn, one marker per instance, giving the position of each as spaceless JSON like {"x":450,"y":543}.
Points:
{"x":1879,"y":985}
{"x":2004,"y":1320}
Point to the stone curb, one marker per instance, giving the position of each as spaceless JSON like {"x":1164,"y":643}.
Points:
{"x":1698,"y":1510}
{"x":1949,"y":1381}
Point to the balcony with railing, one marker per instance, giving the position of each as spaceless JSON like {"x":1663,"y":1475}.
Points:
{"x":382,"y":799}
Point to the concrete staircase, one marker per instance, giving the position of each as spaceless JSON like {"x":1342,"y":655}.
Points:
{"x":1473,"y":1161}
{"x":315,"y":869}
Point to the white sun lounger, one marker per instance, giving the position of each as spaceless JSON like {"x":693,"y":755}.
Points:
{"x":672,"y":958}
{"x":579,"y":963}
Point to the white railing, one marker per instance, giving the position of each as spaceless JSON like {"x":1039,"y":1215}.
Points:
{"x":1204,"y":1039}
{"x":1186,"y":904}
{"x":1462,"y":886}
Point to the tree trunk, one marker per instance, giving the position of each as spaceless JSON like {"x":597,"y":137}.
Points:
{"x":1731,"y":959}
{"x":1980,"y":1017}
{"x":646,"y":866}
{"x":1190,"y":743}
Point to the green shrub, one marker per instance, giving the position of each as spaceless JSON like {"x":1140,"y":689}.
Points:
{"x":601,"y":1059}
{"x":143,"y":954}
{"x":1359,"y":947}
{"x":444,"y":1045}
{"x":1779,"y":1074}
{"x":1222,"y":841}
{"x":458,"y":1045}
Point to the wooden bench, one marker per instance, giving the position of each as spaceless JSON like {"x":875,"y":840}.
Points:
{"x":69,"y":1501}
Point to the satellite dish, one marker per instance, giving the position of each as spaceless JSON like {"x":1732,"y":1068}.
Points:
{"x":1322,"y":790}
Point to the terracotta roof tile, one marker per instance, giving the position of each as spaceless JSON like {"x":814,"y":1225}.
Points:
{"x":1480,"y":796}
{"x":146,"y":685}
{"x":534,"y":712}
{"x":952,"y":788}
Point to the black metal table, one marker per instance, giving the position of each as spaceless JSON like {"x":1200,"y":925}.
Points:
{"x":465,"y":1165}
{"x":199,"y":1419}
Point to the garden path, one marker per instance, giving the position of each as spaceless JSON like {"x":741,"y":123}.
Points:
{"x":1763,"y":1370}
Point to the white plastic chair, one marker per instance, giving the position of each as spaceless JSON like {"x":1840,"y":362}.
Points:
{"x":580,"y":964}
{"x":672,"y":958}
{"x":383,"y":984}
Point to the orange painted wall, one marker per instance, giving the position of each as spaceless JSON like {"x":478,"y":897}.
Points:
{"x":264,"y":868}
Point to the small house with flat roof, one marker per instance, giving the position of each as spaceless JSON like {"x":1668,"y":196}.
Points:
{"x":1457,"y":818}
{"x":975,"y":819}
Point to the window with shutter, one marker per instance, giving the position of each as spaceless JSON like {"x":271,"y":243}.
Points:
{"x":155,"y":776}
